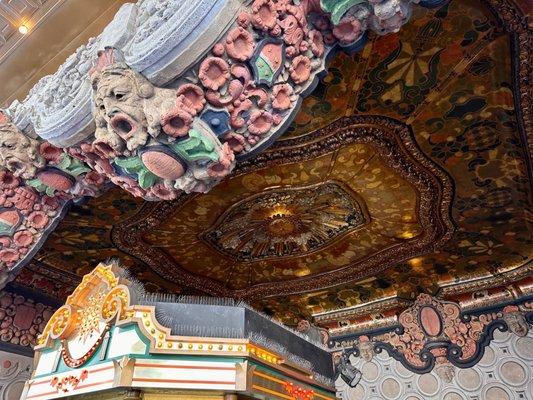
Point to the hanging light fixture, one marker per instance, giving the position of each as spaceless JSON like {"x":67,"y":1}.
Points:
{"x":23,"y":29}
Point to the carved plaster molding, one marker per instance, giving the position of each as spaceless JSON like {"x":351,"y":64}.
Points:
{"x":433,"y":333}
{"x":488,"y":292}
{"x":504,"y":373}
{"x":15,"y":370}
{"x":394,"y":143}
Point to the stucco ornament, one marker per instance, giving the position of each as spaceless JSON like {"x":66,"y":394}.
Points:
{"x":445,"y":370}
{"x":150,"y":140}
{"x":19,"y":153}
{"x":515,"y":320}
{"x":313,"y":333}
{"x":37,"y":180}
{"x":366,"y":348}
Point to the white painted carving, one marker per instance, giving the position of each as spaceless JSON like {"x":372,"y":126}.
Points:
{"x":154,"y":36}
{"x":14,"y":371}
{"x":504,"y":373}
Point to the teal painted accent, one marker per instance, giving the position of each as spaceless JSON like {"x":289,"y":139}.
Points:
{"x":134,"y":166}
{"x":265,"y":70}
{"x":5,"y":228}
{"x":196,"y":147}
{"x":338,"y":8}
{"x":41,"y":187}
{"x":72,"y":166}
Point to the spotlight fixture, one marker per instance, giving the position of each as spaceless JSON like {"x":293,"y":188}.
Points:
{"x":23,"y":29}
{"x":349,"y":374}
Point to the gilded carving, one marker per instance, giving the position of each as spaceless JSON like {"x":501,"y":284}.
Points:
{"x":285,"y":222}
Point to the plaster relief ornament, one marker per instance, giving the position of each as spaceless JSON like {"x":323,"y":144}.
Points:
{"x":366,"y":348}
{"x":36,"y":183}
{"x":19,"y":153}
{"x":151,"y":139}
{"x":515,"y":320}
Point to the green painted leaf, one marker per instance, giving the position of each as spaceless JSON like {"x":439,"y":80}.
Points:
{"x":196,"y":147}
{"x":131,"y":165}
{"x":37,"y":184}
{"x":146,"y":179}
{"x":338,"y":8}
{"x":264,"y":69}
{"x":72,"y":166}
{"x":49,"y":191}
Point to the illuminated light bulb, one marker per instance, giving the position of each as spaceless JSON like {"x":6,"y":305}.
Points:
{"x":23,"y":29}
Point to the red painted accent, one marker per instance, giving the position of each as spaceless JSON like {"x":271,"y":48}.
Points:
{"x":430,"y":321}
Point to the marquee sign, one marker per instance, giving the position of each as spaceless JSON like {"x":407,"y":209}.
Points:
{"x":100,"y":341}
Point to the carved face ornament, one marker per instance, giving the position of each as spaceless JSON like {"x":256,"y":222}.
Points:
{"x":120,"y":97}
{"x":18,"y":152}
{"x":516,"y":322}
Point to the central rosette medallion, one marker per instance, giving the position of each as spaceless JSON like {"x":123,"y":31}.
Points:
{"x":286,"y":222}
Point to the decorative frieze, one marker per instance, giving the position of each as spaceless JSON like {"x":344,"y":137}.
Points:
{"x":436,"y":335}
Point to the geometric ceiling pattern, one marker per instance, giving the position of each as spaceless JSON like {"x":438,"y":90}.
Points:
{"x":328,"y":219}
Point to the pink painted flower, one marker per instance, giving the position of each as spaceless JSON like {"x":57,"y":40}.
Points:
{"x":236,"y":142}
{"x":300,"y":69}
{"x":194,"y":95}
{"x":260,"y":122}
{"x":94,"y":178}
{"x":176,"y":122}
{"x":218,"y":49}
{"x":50,"y":203}
{"x":292,"y":51}
{"x":293,"y":34}
{"x":264,"y":15}
{"x":103,"y":166}
{"x":23,"y":238}
{"x":160,"y":191}
{"x":37,"y":219}
{"x":243,"y":19}
{"x":8,"y":180}
{"x":224,"y":165}
{"x":5,"y":242}
{"x":348,"y":30}
{"x":128,"y":184}
{"x":214,"y":72}
{"x":281,"y":96}
{"x":317,"y":43}
{"x":240,"y":44}
{"x":50,"y":152}
{"x":276,"y":31}
{"x":9,"y":256}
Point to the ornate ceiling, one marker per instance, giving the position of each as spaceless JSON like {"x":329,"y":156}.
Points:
{"x":405,"y":172}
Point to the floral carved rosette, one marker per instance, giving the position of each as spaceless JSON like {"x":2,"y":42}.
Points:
{"x":36,"y":182}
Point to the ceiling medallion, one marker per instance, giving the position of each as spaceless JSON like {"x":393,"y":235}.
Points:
{"x":286,"y":222}
{"x":395,"y":147}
